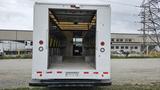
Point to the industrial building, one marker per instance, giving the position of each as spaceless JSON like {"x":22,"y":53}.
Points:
{"x":13,"y":42}
{"x":132,"y":43}
{"x":21,"y":40}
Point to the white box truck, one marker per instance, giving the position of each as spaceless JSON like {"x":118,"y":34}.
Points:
{"x":71,"y":43}
{"x":1,"y":49}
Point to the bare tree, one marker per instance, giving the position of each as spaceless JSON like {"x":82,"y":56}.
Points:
{"x":150,"y":19}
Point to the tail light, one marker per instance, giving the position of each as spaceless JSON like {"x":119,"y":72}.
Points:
{"x":102,"y":43}
{"x":41,"y":42}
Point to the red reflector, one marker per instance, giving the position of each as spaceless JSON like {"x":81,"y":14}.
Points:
{"x":39,"y":72}
{"x":49,"y":72}
{"x":102,"y":43}
{"x":86,"y":72}
{"x":95,"y":72}
{"x":40,"y":42}
{"x":105,"y":72}
{"x":59,"y":72}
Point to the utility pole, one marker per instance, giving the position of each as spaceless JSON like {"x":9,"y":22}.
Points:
{"x":150,"y":20}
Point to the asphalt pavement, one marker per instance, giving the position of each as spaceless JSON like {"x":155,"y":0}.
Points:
{"x":17,"y":73}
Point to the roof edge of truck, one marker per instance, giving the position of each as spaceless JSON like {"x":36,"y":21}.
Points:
{"x":72,"y":3}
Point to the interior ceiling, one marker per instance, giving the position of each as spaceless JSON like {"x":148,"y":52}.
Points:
{"x":73,"y":19}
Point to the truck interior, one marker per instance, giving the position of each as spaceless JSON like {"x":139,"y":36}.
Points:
{"x":72,"y":37}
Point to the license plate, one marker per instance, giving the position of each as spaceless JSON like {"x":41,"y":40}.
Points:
{"x":72,"y":74}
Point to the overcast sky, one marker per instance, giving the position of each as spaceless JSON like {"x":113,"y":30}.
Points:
{"x":18,"y":15}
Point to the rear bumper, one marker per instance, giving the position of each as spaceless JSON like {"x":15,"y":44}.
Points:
{"x":70,"y":83}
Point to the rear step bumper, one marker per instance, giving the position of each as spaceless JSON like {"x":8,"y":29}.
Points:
{"x":70,"y":83}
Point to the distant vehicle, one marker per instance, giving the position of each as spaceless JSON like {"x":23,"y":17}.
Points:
{"x":28,"y":44}
{"x":157,"y":48}
{"x":1,"y":50}
{"x":71,"y":43}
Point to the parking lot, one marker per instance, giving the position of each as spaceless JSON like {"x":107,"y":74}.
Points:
{"x":17,"y":73}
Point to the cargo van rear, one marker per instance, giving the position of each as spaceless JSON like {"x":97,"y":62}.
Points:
{"x":71,"y":44}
